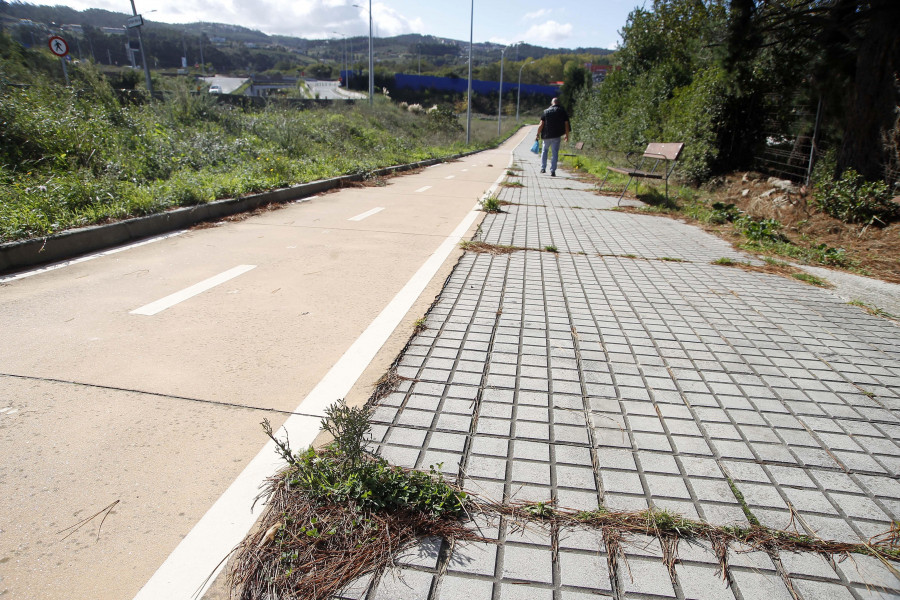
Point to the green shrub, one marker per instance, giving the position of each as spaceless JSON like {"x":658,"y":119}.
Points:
{"x":760,"y":230}
{"x":852,"y":199}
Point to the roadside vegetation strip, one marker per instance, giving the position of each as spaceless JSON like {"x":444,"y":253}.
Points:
{"x":846,"y":224}
{"x":339,"y":514}
{"x":77,"y":156}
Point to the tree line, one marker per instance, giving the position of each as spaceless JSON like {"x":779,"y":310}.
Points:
{"x":708,"y":72}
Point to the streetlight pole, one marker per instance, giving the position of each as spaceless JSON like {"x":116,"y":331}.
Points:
{"x":469,"y":94}
{"x":372,"y":60}
{"x":143,"y":54}
{"x":519,"y":92}
{"x":344,"y":62}
{"x":500,"y":96}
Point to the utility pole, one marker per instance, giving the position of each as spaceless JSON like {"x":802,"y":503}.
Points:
{"x":372,"y":60}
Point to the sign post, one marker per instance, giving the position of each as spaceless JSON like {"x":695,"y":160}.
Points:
{"x":60,"y":48}
{"x":136,"y":22}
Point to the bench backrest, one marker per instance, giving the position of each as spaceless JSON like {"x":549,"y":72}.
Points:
{"x":669,"y":151}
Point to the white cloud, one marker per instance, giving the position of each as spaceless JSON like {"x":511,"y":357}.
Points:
{"x":390,"y":22}
{"x":538,"y":14}
{"x":301,"y":18}
{"x":551,"y":33}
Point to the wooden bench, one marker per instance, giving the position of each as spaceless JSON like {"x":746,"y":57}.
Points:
{"x":578,"y":147}
{"x":657,"y":162}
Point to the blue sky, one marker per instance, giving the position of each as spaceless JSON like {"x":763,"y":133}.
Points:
{"x":558,"y":24}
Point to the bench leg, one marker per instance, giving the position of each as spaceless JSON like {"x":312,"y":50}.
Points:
{"x":603,"y":183}
{"x":619,"y":201}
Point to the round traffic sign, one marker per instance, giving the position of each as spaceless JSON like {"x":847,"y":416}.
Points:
{"x":58,"y":46}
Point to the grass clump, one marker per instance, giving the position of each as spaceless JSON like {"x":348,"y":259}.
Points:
{"x":811,"y":279}
{"x":513,"y":184}
{"x":551,"y":248}
{"x":491,"y":204}
{"x":872,"y":310}
{"x":724,"y":262}
{"x":336,"y":514}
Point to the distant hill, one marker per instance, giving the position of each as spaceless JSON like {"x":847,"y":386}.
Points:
{"x":100,"y":35}
{"x":94,"y":17}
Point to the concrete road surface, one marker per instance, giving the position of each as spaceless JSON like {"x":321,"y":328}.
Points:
{"x":136,"y":382}
{"x":228,"y":84}
{"x":331,"y":90}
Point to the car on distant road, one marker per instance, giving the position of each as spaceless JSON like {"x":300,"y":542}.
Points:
{"x":215,"y":89}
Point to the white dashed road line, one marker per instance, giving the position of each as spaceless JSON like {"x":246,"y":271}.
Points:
{"x":368,"y":213}
{"x":189,"y":292}
{"x":449,"y":176}
{"x":423,"y":188}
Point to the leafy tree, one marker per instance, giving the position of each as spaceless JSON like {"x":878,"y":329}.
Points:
{"x":576,"y":79}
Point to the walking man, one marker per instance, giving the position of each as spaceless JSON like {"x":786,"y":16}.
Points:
{"x":554,"y":125}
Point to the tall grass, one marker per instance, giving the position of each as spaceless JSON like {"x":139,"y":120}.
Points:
{"x":76,"y":156}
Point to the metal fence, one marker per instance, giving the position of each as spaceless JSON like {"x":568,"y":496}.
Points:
{"x":791,"y":130}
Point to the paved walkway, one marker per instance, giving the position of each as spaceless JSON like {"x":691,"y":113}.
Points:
{"x":628,"y":371}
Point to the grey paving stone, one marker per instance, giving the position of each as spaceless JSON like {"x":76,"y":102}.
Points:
{"x":403,"y":584}
{"x":702,"y":582}
{"x":477,"y":558}
{"x":512,"y":591}
{"x":646,"y":576}
{"x":527,"y":563}
{"x":760,"y":586}
{"x":822,"y":590}
{"x":588,"y":570}
{"x":423,"y":554}
{"x":807,"y":564}
{"x":453,"y":587}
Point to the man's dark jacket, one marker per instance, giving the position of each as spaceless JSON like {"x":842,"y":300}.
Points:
{"x":554,"y":119}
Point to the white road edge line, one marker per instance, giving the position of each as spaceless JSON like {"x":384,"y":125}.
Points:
{"x":189,"y":292}
{"x":197,"y":560}
{"x":368,"y":213}
{"x":423,"y":188}
{"x":75,"y":261}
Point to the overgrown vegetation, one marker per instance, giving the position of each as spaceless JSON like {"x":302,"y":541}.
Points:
{"x":789,"y":224}
{"x":852,"y":199}
{"x":74,"y":156}
{"x":336,"y":514}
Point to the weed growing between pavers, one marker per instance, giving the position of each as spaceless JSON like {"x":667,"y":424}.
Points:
{"x":774,"y":267}
{"x":486,"y":248}
{"x":513,"y":184}
{"x":491,"y":204}
{"x":337,"y":514}
{"x":873,"y":310}
{"x":811,"y":279}
{"x":419,"y":326}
